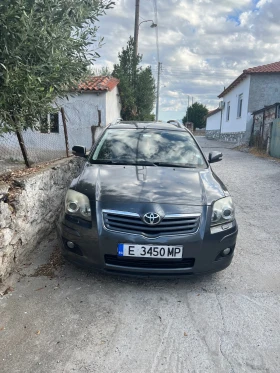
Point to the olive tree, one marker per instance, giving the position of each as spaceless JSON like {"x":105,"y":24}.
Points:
{"x":46,"y":46}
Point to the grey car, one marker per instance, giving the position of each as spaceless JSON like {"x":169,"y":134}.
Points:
{"x":148,"y":203}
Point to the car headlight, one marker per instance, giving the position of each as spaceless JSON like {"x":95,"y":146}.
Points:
{"x":77,"y":204}
{"x":223,"y":211}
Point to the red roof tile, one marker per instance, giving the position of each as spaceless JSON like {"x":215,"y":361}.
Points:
{"x":99,"y":83}
{"x":270,"y":68}
{"x":212,"y":112}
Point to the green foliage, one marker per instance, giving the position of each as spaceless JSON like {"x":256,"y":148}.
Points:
{"x":45,"y":48}
{"x":137,"y":85}
{"x":197,"y":115}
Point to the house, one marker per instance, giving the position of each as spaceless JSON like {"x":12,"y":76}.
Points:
{"x":255,"y":88}
{"x":213,"y":123}
{"x":95,"y":102}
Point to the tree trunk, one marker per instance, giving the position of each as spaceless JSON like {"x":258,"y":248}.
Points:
{"x":23,"y":149}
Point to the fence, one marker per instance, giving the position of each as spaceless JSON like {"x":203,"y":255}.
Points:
{"x":43,"y":146}
{"x":262,"y":126}
{"x":275,"y":139}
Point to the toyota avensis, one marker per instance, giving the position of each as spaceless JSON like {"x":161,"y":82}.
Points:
{"x":148,"y":202}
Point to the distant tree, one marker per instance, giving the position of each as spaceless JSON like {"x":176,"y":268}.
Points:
{"x":137,"y":85}
{"x":103,"y":71}
{"x":196,"y":114}
{"x":44,"y":50}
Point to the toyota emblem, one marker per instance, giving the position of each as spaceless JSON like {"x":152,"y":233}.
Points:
{"x":151,"y":218}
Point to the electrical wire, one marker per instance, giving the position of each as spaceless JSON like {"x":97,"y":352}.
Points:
{"x":196,"y":73}
{"x":156,"y":28}
{"x":172,"y":70}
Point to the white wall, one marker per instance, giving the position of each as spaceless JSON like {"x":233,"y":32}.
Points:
{"x":82,"y":109}
{"x":213,"y":122}
{"x":113,"y":106}
{"x":81,"y":112}
{"x":235,"y":124}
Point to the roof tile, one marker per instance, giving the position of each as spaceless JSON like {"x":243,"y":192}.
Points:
{"x":99,"y":83}
{"x":269,"y":68}
{"x":212,"y":112}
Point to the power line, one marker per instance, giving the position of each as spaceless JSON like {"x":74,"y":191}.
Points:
{"x":197,"y":73}
{"x":196,"y":70}
{"x":156,"y":28}
{"x":196,"y":76}
{"x":172,"y":69}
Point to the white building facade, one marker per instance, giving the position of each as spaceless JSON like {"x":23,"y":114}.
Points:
{"x":252,"y":90}
{"x":213,"y":123}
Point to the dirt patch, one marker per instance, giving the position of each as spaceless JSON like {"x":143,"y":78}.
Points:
{"x":56,"y":260}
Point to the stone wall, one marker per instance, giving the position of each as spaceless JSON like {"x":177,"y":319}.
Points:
{"x":235,"y":137}
{"x":212,"y":134}
{"x":238,"y":137}
{"x":29,"y":207}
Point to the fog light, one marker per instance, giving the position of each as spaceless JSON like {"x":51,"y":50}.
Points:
{"x":70,"y":244}
{"x":226,"y":251}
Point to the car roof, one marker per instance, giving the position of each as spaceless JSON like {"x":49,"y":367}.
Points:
{"x":147,"y":125}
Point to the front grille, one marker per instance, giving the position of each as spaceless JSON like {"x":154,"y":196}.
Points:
{"x":170,"y":225}
{"x":149,"y":263}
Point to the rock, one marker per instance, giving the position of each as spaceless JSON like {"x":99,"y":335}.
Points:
{"x":28,"y":213}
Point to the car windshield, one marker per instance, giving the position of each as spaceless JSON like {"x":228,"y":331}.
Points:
{"x":148,"y":147}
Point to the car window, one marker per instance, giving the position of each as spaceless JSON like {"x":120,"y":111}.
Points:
{"x":158,"y":147}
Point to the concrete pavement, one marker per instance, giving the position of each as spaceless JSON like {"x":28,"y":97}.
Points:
{"x":74,"y":320}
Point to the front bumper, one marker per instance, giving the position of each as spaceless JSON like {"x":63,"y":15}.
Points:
{"x":96,"y":245}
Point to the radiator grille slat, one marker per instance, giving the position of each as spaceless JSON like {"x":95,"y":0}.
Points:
{"x":149,"y":263}
{"x":134,"y":224}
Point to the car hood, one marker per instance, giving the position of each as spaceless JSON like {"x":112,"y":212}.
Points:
{"x":182,"y":186}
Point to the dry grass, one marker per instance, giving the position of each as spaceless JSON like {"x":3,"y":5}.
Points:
{"x":261,"y":153}
{"x":56,"y":260}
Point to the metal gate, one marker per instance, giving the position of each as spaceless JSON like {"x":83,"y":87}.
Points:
{"x":275,"y":139}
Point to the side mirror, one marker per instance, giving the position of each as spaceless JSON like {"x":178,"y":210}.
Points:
{"x":79,"y":151}
{"x":215,"y":157}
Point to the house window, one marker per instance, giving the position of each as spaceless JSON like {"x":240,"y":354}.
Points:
{"x":239,"y":105}
{"x":228,"y":110}
{"x":50,"y":123}
{"x":54,"y":123}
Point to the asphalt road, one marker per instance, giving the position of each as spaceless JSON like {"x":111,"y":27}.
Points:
{"x":227,"y":322}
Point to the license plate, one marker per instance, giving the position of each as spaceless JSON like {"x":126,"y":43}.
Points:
{"x":148,"y":251}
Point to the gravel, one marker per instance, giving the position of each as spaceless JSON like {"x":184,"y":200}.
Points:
{"x":228,"y":322}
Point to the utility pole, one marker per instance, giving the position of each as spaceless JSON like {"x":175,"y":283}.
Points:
{"x":158,"y":83}
{"x":136,"y":27}
{"x":188,"y":108}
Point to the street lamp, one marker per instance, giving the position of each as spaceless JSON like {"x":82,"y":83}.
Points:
{"x":153,"y":25}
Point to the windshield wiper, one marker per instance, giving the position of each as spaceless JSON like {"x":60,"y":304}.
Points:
{"x":146,"y":163}
{"x":167,"y":164}
{"x":123,"y":162}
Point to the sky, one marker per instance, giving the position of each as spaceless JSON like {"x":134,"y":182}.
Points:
{"x":203,"y":44}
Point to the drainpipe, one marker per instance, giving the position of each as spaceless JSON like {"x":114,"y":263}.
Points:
{"x":221,"y":123}
{"x":269,"y":138}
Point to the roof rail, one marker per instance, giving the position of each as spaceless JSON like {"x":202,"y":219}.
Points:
{"x":117,"y":121}
{"x":176,"y":123}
